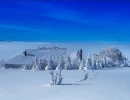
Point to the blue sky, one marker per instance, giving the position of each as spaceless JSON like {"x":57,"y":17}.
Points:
{"x":65,"y":21}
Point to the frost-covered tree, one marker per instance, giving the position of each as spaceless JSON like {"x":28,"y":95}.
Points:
{"x":75,"y":64}
{"x":36,"y":65}
{"x":52,"y":78}
{"x":55,"y":79}
{"x":94,"y":63}
{"x":2,"y":62}
{"x":115,"y":55}
{"x":81,"y":67}
{"x":126,"y":63}
{"x":68,"y":65}
{"x":75,"y":59}
{"x":105,"y":62}
{"x":61,"y":64}
{"x":88,"y":63}
{"x":86,"y":66}
{"x":43,"y":63}
{"x":60,"y":79}
{"x":102,"y":65}
{"x":78,"y":54}
{"x":27,"y":66}
{"x":98,"y":64}
{"x":50,"y":65}
{"x":85,"y":75}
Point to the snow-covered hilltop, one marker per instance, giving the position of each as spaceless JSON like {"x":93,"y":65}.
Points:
{"x":54,"y":58}
{"x":41,"y":55}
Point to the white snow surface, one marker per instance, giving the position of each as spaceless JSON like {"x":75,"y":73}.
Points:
{"x":107,"y":84}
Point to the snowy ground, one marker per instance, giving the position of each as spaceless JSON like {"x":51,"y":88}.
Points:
{"x":112,"y":84}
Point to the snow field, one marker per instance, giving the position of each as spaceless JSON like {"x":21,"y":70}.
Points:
{"x":33,"y":85}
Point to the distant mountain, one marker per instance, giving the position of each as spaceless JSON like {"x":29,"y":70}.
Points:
{"x":5,"y":41}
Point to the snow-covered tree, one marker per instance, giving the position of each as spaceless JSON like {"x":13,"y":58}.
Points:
{"x":25,"y":67}
{"x":52,"y":78}
{"x":125,"y":61}
{"x":50,"y":65}
{"x":94,"y":63}
{"x":61,"y":64}
{"x":102,"y":64}
{"x":105,"y":62}
{"x":88,"y":63}
{"x":81,"y":67}
{"x":36,"y":65}
{"x":68,"y":65}
{"x":78,"y":54}
{"x":60,"y":79}
{"x":98,"y":64}
{"x":85,"y":75}
{"x":115,"y":55}
{"x":2,"y":62}
{"x":43,"y":63}
{"x":75,"y":59}
{"x":86,"y":66}
{"x":55,"y":79}
{"x":75,"y":64}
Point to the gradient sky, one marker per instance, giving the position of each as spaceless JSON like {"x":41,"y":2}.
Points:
{"x":65,"y":21}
